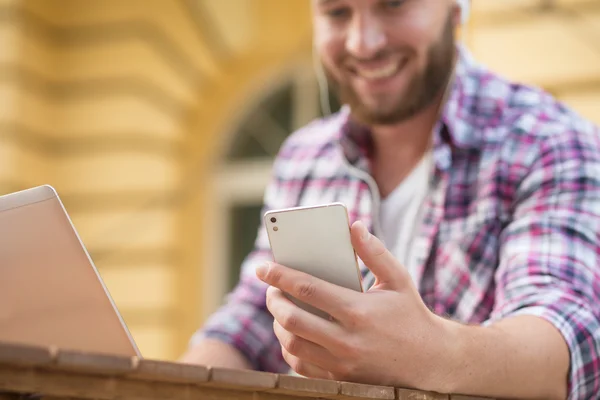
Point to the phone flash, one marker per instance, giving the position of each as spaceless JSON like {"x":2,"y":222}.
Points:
{"x":275,"y":228}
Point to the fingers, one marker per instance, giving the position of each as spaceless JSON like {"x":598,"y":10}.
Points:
{"x":304,"y":349}
{"x":304,"y":368}
{"x":384,"y":266}
{"x":332,"y":299}
{"x":301,"y":323}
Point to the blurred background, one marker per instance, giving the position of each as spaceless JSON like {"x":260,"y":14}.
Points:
{"x":157,"y":122}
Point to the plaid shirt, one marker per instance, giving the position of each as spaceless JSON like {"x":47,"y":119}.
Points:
{"x":510,"y":225}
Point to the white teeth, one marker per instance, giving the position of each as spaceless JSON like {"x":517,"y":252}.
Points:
{"x":379,"y":73}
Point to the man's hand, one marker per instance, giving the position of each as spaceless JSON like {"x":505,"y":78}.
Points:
{"x":385,"y":336}
{"x":388,"y":336}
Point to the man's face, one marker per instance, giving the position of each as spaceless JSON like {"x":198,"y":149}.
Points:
{"x":386,"y":59}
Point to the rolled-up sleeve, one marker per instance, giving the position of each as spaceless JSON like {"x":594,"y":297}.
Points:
{"x":550,"y":252}
{"x":244,"y":321}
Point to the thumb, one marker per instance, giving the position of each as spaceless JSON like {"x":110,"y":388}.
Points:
{"x":388,"y":271}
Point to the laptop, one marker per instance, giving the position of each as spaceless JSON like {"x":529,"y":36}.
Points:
{"x":50,"y":291}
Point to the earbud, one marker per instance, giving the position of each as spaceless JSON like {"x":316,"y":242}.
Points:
{"x":322,"y":83}
{"x":465,"y":6}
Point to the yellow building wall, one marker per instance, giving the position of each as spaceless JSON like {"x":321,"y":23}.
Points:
{"x":125,"y":107}
{"x":117,"y":104}
{"x":100,"y":113}
{"x":258,"y":59}
{"x":555,"y":47}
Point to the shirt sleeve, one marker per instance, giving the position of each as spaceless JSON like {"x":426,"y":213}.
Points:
{"x":549,"y":256}
{"x":244,"y":321}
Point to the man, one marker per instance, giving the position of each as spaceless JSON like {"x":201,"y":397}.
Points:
{"x":487,"y":196}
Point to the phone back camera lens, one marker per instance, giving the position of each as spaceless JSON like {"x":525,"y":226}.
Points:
{"x":273,"y":219}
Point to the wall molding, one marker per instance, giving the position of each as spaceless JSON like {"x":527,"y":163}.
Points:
{"x":126,"y":257}
{"x":108,"y":201}
{"x":76,"y":90}
{"x":207,"y":30}
{"x":86,"y":145}
{"x":163,"y":318}
{"x":122,"y":200}
{"x":583,"y":86}
{"x":578,"y":25}
{"x":520,"y":15}
{"x":10,"y":186}
{"x":108,"y":32}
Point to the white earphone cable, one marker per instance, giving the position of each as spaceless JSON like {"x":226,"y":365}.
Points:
{"x":323,"y":85}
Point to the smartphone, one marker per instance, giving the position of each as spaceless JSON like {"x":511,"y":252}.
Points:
{"x":316,"y":241}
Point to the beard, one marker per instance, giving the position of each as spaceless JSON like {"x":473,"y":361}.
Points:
{"x":421,"y":92}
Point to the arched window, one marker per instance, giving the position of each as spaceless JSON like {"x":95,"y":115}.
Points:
{"x":246,"y":166}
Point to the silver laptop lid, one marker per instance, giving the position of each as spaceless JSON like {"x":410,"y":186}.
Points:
{"x":50,"y":291}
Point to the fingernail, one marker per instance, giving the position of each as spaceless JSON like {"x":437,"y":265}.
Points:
{"x":364,"y":232}
{"x":261,"y":270}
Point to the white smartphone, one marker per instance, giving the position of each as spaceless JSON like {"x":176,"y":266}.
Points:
{"x":315,"y":240}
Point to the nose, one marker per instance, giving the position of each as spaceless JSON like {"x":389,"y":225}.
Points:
{"x":365,"y":37}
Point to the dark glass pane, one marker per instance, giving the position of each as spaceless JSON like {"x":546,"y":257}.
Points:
{"x":334,"y":104}
{"x":277,"y":118}
{"x":244,"y":223}
{"x":280,"y":107}
{"x":245,"y":146}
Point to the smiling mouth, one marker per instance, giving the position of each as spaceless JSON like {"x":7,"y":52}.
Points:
{"x":380,"y":72}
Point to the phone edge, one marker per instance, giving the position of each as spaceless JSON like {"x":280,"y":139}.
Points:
{"x":300,"y":208}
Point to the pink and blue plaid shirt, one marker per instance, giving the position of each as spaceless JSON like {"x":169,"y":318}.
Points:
{"x":510,"y":225}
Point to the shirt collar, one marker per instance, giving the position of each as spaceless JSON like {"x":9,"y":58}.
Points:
{"x":457,"y":110}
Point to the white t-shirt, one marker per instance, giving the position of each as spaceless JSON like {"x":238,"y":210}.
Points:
{"x":400,"y":212}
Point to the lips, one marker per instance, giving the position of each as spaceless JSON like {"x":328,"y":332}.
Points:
{"x":377,"y":71}
{"x":385,"y":71}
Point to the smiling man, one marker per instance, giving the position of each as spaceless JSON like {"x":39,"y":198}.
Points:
{"x":475,"y":204}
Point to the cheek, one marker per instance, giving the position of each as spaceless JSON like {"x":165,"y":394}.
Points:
{"x":415,"y":36}
{"x":331,"y":58}
{"x":329,"y":45}
{"x":415,"y":32}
